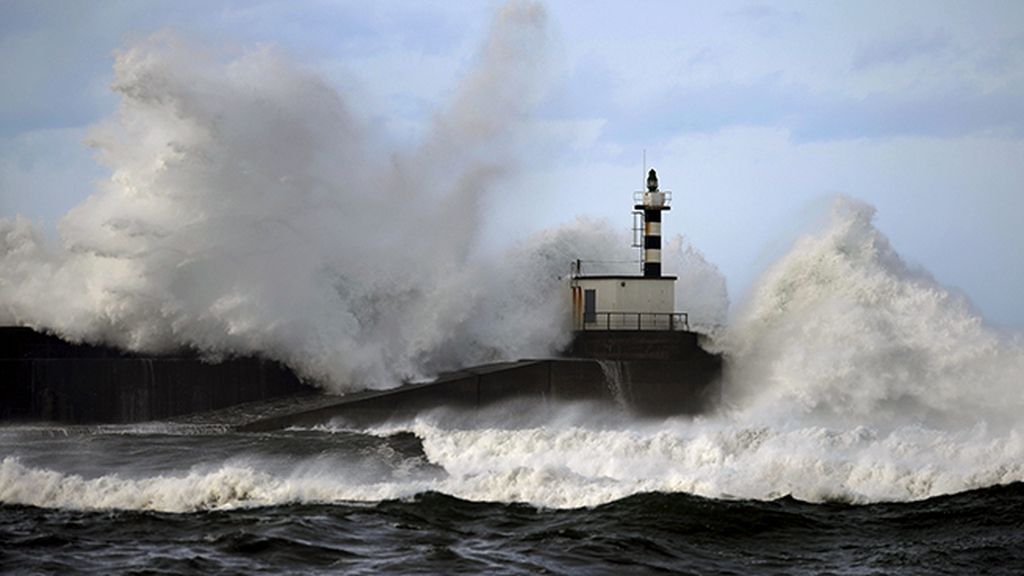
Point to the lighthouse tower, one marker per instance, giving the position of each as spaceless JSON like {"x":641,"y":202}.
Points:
{"x":629,"y":302}
{"x":652,"y":202}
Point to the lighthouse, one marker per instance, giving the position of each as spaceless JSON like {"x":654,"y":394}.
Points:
{"x":630,"y":302}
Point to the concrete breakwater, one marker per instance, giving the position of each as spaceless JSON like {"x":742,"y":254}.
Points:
{"x":43,"y":378}
{"x":643,"y":387}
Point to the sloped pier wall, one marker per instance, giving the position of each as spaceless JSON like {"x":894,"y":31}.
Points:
{"x":642,"y":387}
{"x":43,"y":378}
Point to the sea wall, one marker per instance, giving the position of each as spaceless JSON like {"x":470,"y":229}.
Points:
{"x":638,"y":345}
{"x":43,"y":378}
{"x":642,"y":387}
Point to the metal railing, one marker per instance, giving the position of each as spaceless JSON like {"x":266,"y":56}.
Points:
{"x":636,"y":321}
{"x":665,"y":197}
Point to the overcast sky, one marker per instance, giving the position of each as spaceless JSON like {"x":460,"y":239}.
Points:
{"x":754,"y":113}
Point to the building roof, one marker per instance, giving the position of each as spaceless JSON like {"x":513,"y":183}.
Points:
{"x":621,"y":277}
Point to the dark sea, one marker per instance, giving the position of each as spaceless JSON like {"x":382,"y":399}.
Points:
{"x":422,"y":498}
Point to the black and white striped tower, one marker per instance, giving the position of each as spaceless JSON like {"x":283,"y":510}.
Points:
{"x":654,"y":201}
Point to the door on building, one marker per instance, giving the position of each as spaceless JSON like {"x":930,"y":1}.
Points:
{"x":589,"y":306}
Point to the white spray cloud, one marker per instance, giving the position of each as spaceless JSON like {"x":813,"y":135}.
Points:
{"x":700,"y":286}
{"x":249,"y":212}
{"x":842,"y":330}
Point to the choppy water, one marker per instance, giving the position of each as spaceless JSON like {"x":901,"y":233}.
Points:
{"x":185,"y":499}
{"x":974,"y":532}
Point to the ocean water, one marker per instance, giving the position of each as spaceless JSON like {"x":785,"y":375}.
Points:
{"x":586,"y":491}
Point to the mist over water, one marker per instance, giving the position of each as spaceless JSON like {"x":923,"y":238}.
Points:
{"x":250,"y":212}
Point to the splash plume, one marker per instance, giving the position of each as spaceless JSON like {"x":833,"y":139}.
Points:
{"x":247,"y":213}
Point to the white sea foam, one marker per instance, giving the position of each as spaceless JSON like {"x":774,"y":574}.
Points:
{"x":575,"y":466}
{"x":234,"y":484}
{"x":579,"y":466}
